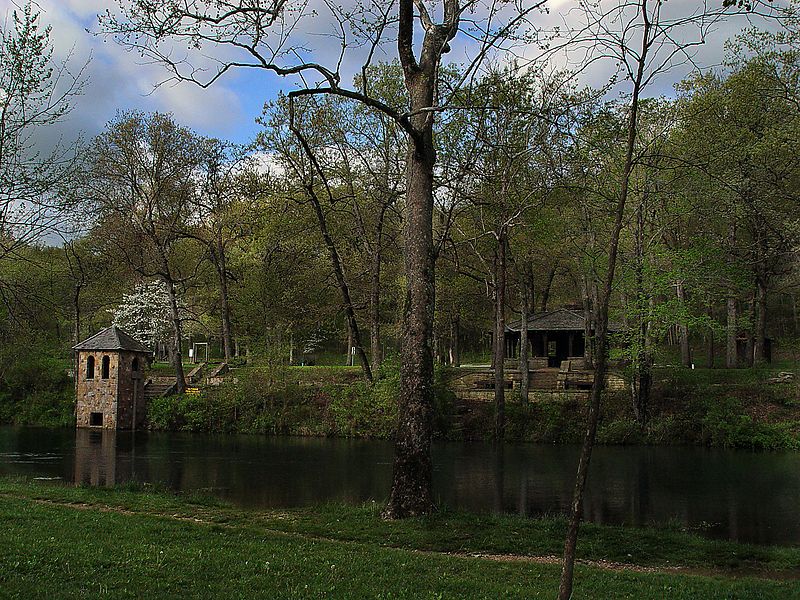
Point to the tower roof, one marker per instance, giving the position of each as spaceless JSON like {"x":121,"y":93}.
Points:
{"x":111,"y":338}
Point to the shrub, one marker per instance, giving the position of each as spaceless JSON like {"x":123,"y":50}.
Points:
{"x":36,"y":390}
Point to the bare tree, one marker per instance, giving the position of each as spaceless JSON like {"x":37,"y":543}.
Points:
{"x":36,"y":92}
{"x":644,"y":38}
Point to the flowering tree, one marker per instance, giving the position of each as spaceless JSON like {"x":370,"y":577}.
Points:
{"x":146,"y":314}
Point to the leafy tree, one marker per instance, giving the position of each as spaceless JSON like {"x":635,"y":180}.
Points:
{"x":141,"y":180}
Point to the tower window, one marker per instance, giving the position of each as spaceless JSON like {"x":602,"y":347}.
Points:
{"x":90,"y":367}
{"x":96,"y":419}
{"x":106,"y":366}
{"x":135,"y":364}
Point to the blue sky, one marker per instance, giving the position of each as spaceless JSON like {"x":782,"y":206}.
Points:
{"x":119,"y":80}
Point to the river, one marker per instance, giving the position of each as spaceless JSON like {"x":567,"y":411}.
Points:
{"x":742,"y":496}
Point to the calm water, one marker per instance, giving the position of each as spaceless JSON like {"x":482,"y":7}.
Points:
{"x":737,"y":495}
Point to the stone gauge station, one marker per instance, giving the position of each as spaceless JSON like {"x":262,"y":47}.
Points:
{"x":109,"y":380}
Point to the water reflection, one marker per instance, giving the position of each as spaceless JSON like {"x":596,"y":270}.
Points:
{"x":737,"y":495}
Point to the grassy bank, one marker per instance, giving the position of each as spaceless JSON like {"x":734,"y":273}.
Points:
{"x":709,"y":407}
{"x":700,"y":407}
{"x":62,"y":542}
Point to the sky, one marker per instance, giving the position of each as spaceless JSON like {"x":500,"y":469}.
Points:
{"x":120,"y":80}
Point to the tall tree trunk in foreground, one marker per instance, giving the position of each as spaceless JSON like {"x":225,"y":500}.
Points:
{"x":601,"y":331}
{"x":500,"y":338}
{"x":411,"y":492}
{"x":412,"y":474}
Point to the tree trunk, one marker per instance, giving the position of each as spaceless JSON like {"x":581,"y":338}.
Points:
{"x":455,"y":342}
{"x":412,"y":474}
{"x":499,"y":338}
{"x":551,"y":275}
{"x":375,"y":302}
{"x":336,"y":263}
{"x":176,"y":354}
{"x":349,"y":355}
{"x":683,"y":328}
{"x":751,"y":336}
{"x":641,"y":381}
{"x":710,"y":341}
{"x":76,"y":314}
{"x":587,"y":324}
{"x":601,"y":347}
{"x":225,"y":311}
{"x":731,"y":353}
{"x":523,"y":342}
{"x":759,"y":354}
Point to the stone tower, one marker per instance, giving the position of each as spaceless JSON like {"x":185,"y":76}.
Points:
{"x":109,"y":380}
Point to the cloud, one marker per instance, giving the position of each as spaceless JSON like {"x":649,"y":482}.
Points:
{"x":120,"y":80}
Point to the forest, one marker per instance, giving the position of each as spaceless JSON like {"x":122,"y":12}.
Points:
{"x":480,"y":167}
{"x":290,"y":247}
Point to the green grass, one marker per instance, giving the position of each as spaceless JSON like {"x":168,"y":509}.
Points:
{"x":165,"y":369}
{"x":60,"y":542}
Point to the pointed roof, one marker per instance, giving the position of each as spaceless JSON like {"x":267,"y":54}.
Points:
{"x":562,"y":319}
{"x":111,"y":338}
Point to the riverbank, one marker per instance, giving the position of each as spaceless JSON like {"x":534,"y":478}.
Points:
{"x":740,"y":408}
{"x":714,"y":408}
{"x":62,"y":542}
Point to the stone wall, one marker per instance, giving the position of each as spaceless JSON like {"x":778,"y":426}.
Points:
{"x":131,"y":405}
{"x":118,"y":398}
{"x":97,"y":395}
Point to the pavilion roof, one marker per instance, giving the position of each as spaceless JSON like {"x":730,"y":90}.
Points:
{"x":562,"y":319}
{"x":111,"y":338}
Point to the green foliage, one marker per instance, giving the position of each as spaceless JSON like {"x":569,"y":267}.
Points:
{"x":725,"y":424}
{"x":362,"y":410}
{"x":298,"y":401}
{"x":36,"y":390}
{"x":621,"y":432}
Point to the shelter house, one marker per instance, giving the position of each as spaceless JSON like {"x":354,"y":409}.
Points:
{"x":109,"y":380}
{"x":553,"y":337}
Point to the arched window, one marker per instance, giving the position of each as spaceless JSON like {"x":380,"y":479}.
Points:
{"x":106,"y":365}
{"x":90,"y":367}
{"x":135,"y":364}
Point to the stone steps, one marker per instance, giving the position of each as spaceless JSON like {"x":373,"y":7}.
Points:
{"x":158,"y":387}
